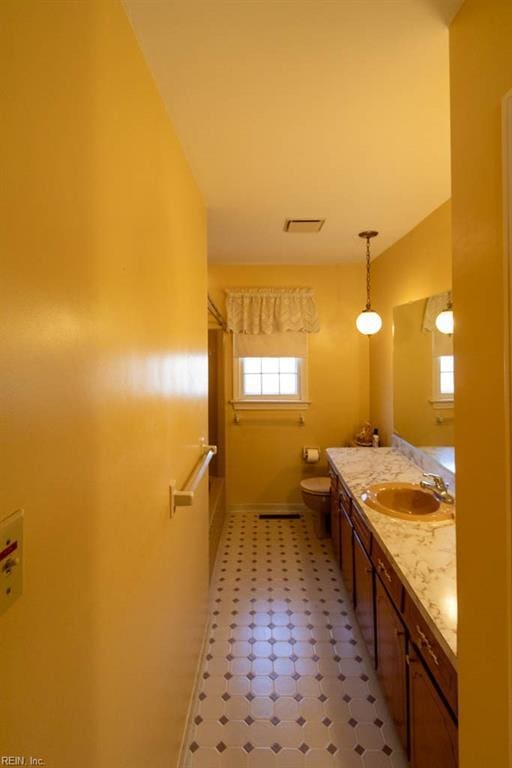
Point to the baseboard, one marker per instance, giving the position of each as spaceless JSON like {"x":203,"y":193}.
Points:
{"x":266,"y":507}
{"x":189,"y":723}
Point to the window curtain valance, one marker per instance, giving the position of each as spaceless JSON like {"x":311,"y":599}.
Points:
{"x":271,"y":310}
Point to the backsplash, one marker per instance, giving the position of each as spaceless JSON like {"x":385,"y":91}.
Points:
{"x":424,"y":459}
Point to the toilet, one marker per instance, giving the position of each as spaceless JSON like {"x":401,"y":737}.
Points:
{"x":316,"y":494}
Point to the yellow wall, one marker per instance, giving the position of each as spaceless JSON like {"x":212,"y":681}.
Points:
{"x":103,"y":396}
{"x":415,"y":418}
{"x":481,"y":73}
{"x":264,"y":453}
{"x":416,"y":266}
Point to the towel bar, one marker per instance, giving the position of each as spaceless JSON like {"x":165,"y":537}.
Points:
{"x":185,"y":497}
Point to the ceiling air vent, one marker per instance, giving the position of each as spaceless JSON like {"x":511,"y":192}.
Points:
{"x":303,"y":225}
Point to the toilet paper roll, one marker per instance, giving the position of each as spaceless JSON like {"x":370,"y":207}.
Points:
{"x":311,"y":455}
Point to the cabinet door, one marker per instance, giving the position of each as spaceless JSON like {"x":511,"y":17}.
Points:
{"x":347,"y":562}
{"x":363,"y":595}
{"x":391,"y":659}
{"x":335,"y":518}
{"x":433,"y":733}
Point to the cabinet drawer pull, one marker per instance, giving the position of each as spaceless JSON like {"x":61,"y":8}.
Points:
{"x":425,"y":643}
{"x":399,"y":633}
{"x":382,"y":568}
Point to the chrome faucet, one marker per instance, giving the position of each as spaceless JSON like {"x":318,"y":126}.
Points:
{"x":437,"y":485}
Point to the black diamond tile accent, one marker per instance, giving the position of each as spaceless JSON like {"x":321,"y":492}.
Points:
{"x":347,"y":698}
{"x":276,"y":748}
{"x":371,"y":699}
{"x":194,"y":747}
{"x":387,"y":749}
{"x":223,"y":720}
{"x":274,"y":696}
{"x":250,"y":696}
{"x":322,"y":697}
{"x":300,"y":721}
{"x":220,"y":747}
{"x":248,"y":747}
{"x":198,"y":720}
{"x":359,"y":749}
{"x":225,"y":697}
{"x":378,"y":722}
{"x":326,"y":722}
{"x":275,"y":721}
{"x":332,"y":749}
{"x":304,"y":748}
{"x":352,"y":722}
{"x":249,"y":720}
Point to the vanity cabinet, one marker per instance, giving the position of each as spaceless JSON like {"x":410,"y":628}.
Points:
{"x":433,"y":733}
{"x":416,"y":676}
{"x":363,"y":594}
{"x":390,"y":636}
{"x":335,"y":516}
{"x":347,"y":556}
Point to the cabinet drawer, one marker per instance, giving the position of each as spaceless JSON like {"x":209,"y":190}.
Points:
{"x":362,"y":529}
{"x":387,"y":574}
{"x":434,"y":656}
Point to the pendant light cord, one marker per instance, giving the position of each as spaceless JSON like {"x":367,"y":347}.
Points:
{"x":368,"y":305}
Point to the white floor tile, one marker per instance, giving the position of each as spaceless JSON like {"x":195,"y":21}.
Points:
{"x":285,"y":681}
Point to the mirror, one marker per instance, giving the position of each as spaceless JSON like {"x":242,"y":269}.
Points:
{"x":423,"y":372}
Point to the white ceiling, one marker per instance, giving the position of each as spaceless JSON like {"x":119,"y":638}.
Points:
{"x":335,"y":109}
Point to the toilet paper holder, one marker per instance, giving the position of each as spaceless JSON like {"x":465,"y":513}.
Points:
{"x":311,"y":453}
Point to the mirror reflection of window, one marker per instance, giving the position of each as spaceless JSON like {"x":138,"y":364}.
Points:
{"x":423,"y":376}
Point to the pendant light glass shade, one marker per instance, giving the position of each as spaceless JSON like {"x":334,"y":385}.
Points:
{"x":444,"y":322}
{"x":369,"y":321}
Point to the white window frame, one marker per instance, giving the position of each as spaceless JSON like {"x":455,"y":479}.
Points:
{"x":270,"y":402}
{"x":439,"y":399}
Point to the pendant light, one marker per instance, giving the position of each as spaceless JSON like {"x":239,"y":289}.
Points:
{"x":444,"y":320}
{"x":368,"y":322}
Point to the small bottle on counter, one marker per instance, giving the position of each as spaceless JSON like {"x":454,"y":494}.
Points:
{"x":375,"y":438}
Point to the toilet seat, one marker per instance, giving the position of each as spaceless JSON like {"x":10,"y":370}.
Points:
{"x":318,"y":486}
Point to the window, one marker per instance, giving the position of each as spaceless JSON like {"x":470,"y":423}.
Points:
{"x":270,"y":371}
{"x":270,"y":376}
{"x":444,"y":378}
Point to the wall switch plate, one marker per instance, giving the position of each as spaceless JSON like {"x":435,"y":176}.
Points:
{"x":11,"y":559}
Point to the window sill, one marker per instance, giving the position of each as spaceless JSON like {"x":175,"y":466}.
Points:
{"x":270,"y":405}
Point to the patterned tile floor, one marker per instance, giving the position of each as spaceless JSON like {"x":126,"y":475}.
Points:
{"x":286,"y":681}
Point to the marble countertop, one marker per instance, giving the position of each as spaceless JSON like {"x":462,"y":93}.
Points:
{"x":423,"y":553}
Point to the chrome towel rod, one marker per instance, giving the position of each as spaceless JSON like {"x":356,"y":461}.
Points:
{"x":185,"y":497}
